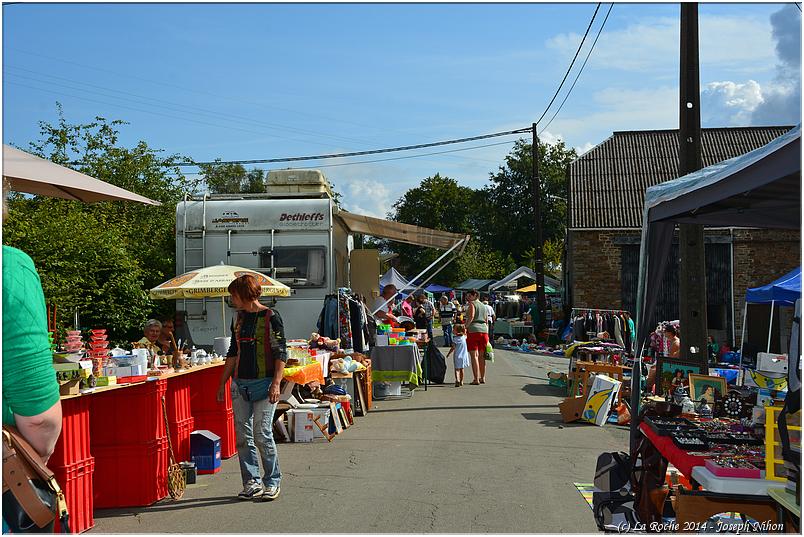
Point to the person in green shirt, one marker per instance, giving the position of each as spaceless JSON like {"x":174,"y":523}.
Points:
{"x":533,"y":310}
{"x":30,"y":390}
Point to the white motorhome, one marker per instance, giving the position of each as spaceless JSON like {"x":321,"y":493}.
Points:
{"x":295,"y":233}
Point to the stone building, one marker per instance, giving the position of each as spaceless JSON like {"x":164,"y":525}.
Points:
{"x":606,"y":197}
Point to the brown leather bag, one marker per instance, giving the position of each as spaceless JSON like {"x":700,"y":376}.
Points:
{"x":39,"y":499}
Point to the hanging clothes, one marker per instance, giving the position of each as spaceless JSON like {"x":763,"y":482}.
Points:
{"x":618,"y":332}
{"x":344,"y":320}
{"x":328,"y":319}
{"x":356,"y":324}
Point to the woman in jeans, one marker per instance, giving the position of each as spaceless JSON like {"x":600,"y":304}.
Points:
{"x":256,"y":360}
{"x":446,"y":311}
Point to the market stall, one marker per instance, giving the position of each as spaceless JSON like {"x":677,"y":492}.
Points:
{"x":726,"y":439}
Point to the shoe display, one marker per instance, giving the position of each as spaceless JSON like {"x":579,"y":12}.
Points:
{"x":251,"y":490}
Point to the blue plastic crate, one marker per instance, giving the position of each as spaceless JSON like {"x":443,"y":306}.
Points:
{"x":205,"y":451}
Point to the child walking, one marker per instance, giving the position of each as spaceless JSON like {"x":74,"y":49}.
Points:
{"x":461,"y":358}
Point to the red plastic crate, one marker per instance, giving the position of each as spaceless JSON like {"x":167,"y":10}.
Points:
{"x":178,"y":399}
{"x":222,"y":424}
{"x":73,"y":444}
{"x":127,"y":416}
{"x":131,"y":476}
{"x":75,"y":481}
{"x":180,"y":438}
{"x":204,"y":391}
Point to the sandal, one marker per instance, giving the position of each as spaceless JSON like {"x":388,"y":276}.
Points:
{"x":474,"y":383}
{"x":482,"y":380}
{"x":457,"y":384}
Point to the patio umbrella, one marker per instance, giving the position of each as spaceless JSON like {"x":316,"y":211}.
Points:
{"x":33,"y":175}
{"x":213,"y":281}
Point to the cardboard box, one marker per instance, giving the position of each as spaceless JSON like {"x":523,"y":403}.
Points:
{"x":571,"y":408}
{"x":70,"y":387}
{"x":300,"y":423}
{"x":382,"y":340}
{"x":603,"y":392}
{"x":771,"y":363}
{"x":106,"y":381}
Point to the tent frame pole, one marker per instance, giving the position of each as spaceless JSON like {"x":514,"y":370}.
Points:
{"x":770,"y":325}
{"x":434,"y":263}
{"x":742,"y":341}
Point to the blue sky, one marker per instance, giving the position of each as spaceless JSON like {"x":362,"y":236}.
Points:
{"x":260,"y":81}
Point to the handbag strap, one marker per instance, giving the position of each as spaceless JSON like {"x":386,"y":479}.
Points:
{"x":16,"y":477}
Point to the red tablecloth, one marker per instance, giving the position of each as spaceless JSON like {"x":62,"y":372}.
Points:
{"x":679,"y":458}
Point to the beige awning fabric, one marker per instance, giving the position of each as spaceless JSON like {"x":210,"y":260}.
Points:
{"x":34,"y":175}
{"x":395,"y":231}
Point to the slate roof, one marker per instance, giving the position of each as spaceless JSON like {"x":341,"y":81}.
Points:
{"x":607,"y":184}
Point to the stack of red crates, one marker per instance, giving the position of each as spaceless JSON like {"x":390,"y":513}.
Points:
{"x":180,"y":419}
{"x":209,"y":413}
{"x":129,"y":443}
{"x":73,"y":465}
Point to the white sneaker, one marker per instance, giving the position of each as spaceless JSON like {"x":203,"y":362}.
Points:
{"x":270,"y":493}
{"x":251,"y":491}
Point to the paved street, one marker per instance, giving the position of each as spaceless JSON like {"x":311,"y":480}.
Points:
{"x":476,"y":459}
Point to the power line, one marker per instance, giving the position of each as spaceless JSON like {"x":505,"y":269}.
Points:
{"x":113,"y":93}
{"x":408,"y":156}
{"x":570,"y":65}
{"x":362,"y":153}
{"x":578,"y":75}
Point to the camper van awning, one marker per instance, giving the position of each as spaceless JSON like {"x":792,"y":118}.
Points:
{"x":395,"y":231}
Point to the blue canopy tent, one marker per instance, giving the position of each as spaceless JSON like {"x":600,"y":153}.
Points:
{"x":784,"y":292}
{"x":435,"y":288}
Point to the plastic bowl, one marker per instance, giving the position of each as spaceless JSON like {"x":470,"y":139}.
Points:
{"x":73,"y":332}
{"x":99,"y":344}
{"x":98,"y":331}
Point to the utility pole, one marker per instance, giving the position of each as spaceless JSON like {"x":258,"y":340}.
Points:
{"x":537,"y":215}
{"x":692,"y":277}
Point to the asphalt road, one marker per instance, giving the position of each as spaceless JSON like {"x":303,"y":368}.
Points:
{"x":494,"y":458}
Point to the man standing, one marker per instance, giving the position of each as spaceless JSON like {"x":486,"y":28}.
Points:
{"x":446,"y":312}
{"x":429,"y":310}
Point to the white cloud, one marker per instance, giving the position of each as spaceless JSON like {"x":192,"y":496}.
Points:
{"x":728,"y":104}
{"x":736,"y":42}
{"x":366,"y":196}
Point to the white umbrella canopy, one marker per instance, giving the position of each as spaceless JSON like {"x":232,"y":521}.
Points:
{"x":214,"y":281}
{"x":33,"y":175}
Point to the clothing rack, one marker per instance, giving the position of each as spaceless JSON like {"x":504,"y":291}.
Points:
{"x":598,"y":310}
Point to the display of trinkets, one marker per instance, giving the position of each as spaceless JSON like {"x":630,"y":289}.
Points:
{"x":738,"y":404}
{"x":667,"y":426}
{"x":689,"y":441}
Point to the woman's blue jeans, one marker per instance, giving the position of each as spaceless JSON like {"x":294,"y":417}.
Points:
{"x":447,"y":334}
{"x":254,"y":421}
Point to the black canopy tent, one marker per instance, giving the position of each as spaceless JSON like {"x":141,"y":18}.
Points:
{"x":759,"y":189}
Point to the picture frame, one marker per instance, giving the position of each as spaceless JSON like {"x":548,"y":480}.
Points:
{"x":707,"y":387}
{"x":667,"y":371}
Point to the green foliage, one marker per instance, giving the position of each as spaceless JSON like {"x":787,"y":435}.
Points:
{"x":101,"y":258}
{"x":499,"y":217}
{"x":510,"y":223}
{"x":437,"y":203}
{"x":227,"y":178}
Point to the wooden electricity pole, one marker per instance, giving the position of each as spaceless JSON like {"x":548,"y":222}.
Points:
{"x":537,"y":214}
{"x":692,"y":277}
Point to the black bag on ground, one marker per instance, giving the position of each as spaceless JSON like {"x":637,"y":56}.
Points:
{"x":612,"y":499}
{"x":436,"y":367}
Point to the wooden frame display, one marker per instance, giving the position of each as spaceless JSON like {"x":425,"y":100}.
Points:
{"x":707,"y":387}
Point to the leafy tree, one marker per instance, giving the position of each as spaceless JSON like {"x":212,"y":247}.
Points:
{"x":552,"y":253}
{"x":228,"y":178}
{"x":437,"y":203}
{"x":509,"y":222}
{"x":480,"y":262}
{"x":102,"y":258}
